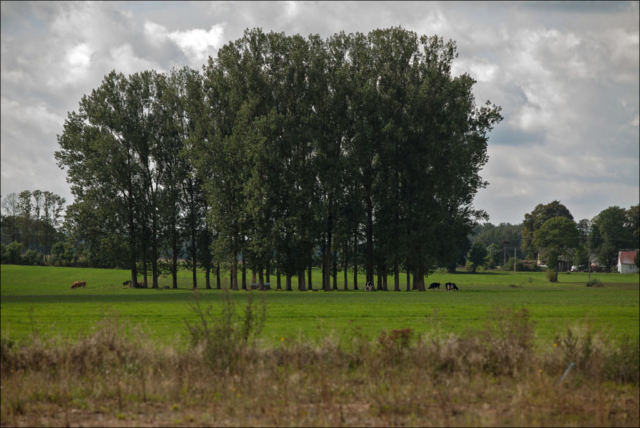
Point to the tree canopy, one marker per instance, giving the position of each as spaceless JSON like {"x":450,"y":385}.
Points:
{"x":362,"y":147}
{"x":557,"y":237}
{"x":534,"y":221}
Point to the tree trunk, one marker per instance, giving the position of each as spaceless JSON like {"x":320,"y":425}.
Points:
{"x":288,"y":282}
{"x":379,"y":287}
{"x":278,"y":279}
{"x":154,"y":249}
{"x":268,"y":279}
{"x":385,"y":286}
{"x":193,"y":255}
{"x":301,"y":285}
{"x":132,"y":244}
{"x":207,"y":257}
{"x":408,"y":277}
{"x":346,"y":265}
{"x":218,"y":285}
{"x":310,"y":284}
{"x":174,"y":258}
{"x":369,"y":256}
{"x":328,"y":246}
{"x":335,"y":272}
{"x":355,"y":260}
{"x":396,"y":270}
{"x":244,"y":272}
{"x":144,"y":256}
{"x":234,"y":263}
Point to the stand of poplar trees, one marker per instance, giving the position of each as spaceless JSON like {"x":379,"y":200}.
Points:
{"x":360,"y":150}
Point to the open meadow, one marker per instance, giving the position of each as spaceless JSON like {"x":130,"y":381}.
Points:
{"x":40,"y":299}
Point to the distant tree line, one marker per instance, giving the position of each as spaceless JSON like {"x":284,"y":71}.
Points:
{"x":30,"y":226}
{"x":550,"y":233}
{"x":552,"y":230}
{"x":356,"y":151}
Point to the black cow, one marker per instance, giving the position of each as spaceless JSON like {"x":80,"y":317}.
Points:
{"x":124,"y":284}
{"x":451,"y":286}
{"x":434,"y":286}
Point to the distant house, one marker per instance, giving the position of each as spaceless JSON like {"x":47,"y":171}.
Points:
{"x":564,"y":263}
{"x":626,"y":263}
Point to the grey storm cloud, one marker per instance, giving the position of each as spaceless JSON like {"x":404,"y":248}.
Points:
{"x":565,"y":73}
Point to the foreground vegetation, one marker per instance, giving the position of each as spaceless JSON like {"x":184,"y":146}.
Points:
{"x":116,"y":375}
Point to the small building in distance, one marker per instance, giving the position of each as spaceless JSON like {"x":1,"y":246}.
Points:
{"x":626,"y":263}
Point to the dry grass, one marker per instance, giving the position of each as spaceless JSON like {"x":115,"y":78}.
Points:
{"x":490,"y":378}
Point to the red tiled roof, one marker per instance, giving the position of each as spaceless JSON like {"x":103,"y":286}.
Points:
{"x":627,"y":257}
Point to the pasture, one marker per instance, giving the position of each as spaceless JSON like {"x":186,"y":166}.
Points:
{"x":39,"y":299}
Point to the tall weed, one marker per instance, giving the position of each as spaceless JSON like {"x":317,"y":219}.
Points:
{"x":227,"y":337}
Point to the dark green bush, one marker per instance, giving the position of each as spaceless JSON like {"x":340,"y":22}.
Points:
{"x":13,"y":253}
{"x":552,"y":275}
{"x":33,"y":257}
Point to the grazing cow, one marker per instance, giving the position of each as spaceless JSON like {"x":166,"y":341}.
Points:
{"x":434,"y":286}
{"x":451,"y":286}
{"x":79,"y":284}
{"x":369,"y":287}
{"x":124,"y":284}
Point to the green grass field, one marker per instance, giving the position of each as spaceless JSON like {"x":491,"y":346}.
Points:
{"x":40,"y":299}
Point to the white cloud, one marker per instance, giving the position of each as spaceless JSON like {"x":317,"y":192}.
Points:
{"x":197,"y":44}
{"x":77,"y":63}
{"x":478,"y":68}
{"x":35,"y":116}
{"x":291,"y":9}
{"x":124,"y":59}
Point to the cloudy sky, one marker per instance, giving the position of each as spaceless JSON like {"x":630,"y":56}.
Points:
{"x":565,"y":74}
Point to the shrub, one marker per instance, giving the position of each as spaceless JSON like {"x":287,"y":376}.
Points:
{"x":6,"y":346}
{"x":595,"y":356}
{"x":614,"y":269}
{"x":33,"y":257}
{"x":552,"y":275}
{"x":595,"y":282}
{"x":522,"y":266}
{"x":226,"y":338}
{"x":14,"y":253}
{"x":504,"y":347}
{"x":622,"y":363}
{"x":476,"y":256}
{"x":63,"y":254}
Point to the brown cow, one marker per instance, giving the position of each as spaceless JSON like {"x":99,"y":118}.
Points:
{"x":79,"y":284}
